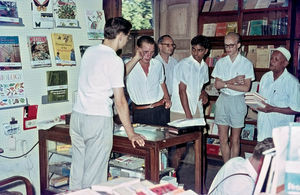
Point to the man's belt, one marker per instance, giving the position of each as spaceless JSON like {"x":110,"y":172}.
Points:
{"x":147,"y":106}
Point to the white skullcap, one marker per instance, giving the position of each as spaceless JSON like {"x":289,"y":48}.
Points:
{"x":285,"y":52}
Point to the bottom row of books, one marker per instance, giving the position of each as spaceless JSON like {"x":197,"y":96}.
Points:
{"x":133,"y":186}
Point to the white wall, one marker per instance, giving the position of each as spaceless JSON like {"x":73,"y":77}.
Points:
{"x":35,"y":88}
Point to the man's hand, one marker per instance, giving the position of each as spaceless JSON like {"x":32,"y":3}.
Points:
{"x":138,"y":54}
{"x":240,"y":79}
{"x":267,"y":108}
{"x":139,"y":139}
{"x":203,"y":97}
{"x":167,"y":103}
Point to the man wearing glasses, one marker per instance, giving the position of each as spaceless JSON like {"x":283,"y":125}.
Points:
{"x":166,"y":48}
{"x":233,"y":74}
{"x":146,"y":85}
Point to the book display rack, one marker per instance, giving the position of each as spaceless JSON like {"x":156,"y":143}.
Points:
{"x":55,"y":142}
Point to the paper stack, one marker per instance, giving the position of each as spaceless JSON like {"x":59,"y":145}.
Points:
{"x":254,"y":100}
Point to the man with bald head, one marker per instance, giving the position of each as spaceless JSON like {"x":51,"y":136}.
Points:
{"x":282,"y":91}
{"x":233,"y":74}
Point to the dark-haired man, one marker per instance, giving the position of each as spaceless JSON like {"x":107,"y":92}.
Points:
{"x":146,"y":86}
{"x":233,"y":74}
{"x":91,"y":128}
{"x":190,"y":74}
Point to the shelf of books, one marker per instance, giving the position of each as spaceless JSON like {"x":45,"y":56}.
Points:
{"x":262,"y":24}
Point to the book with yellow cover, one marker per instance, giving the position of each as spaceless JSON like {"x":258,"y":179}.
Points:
{"x":63,"y":47}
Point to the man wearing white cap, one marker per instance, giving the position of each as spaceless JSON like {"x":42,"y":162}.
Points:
{"x":282,"y":91}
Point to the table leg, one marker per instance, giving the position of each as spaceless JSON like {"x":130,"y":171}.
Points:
{"x":199,"y":171}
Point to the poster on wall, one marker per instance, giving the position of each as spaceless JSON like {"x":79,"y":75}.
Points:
{"x":10,"y":53}
{"x":65,"y":14}
{"x":95,"y":20}
{"x":9,"y":12}
{"x":63,"y":47}
{"x":12,"y":92}
{"x":39,"y":51}
{"x":42,"y":13}
{"x":57,"y":86}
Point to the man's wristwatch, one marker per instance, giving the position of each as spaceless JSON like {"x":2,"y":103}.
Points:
{"x":225,"y":86}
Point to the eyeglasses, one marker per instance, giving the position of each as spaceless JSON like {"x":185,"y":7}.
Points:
{"x":169,"y":45}
{"x":230,"y":46}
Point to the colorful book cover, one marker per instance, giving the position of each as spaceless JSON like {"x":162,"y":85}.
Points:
{"x":256,"y":27}
{"x":292,"y":171}
{"x":65,"y":13}
{"x":231,"y":27}
{"x":248,"y":132}
{"x":57,"y":86}
{"x":42,"y":13}
{"x":8,"y":12}
{"x":221,"y":29}
{"x":12,"y":91}
{"x":63,"y":49}
{"x":39,"y":51}
{"x":95,"y":24}
{"x":10,"y":53}
{"x":209,"y":30}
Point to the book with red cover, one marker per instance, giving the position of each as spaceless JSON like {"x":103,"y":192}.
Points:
{"x":221,"y":29}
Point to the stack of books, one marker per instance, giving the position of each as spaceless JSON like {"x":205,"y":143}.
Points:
{"x":254,"y":100}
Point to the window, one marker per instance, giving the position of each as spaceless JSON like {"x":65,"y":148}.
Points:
{"x":139,"y":13}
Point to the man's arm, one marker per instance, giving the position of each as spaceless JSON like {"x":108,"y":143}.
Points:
{"x":137,"y":57}
{"x":167,"y":100}
{"x":184,"y":100}
{"x":270,"y":108}
{"x":123,"y":112}
{"x":241,"y":84}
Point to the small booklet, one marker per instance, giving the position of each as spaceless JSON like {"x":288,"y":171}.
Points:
{"x":188,"y":122}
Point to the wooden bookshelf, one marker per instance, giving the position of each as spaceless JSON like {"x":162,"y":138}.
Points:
{"x":288,"y":37}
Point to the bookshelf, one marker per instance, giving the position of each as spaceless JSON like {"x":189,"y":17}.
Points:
{"x":278,"y":25}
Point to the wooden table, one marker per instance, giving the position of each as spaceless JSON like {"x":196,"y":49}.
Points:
{"x":156,"y":140}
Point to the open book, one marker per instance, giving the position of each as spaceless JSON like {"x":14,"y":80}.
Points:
{"x":187,"y":122}
{"x":254,"y":100}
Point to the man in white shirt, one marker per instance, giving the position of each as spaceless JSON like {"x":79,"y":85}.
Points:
{"x":166,"y":48}
{"x":282,"y":91}
{"x":233,"y":74}
{"x":146,"y":86}
{"x":190,"y":74}
{"x":238,"y":175}
{"x":91,"y":128}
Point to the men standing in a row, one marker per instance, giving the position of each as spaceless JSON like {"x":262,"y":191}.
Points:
{"x":282,"y":91}
{"x":146,"y":85}
{"x":166,"y":48}
{"x":233,"y":75}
